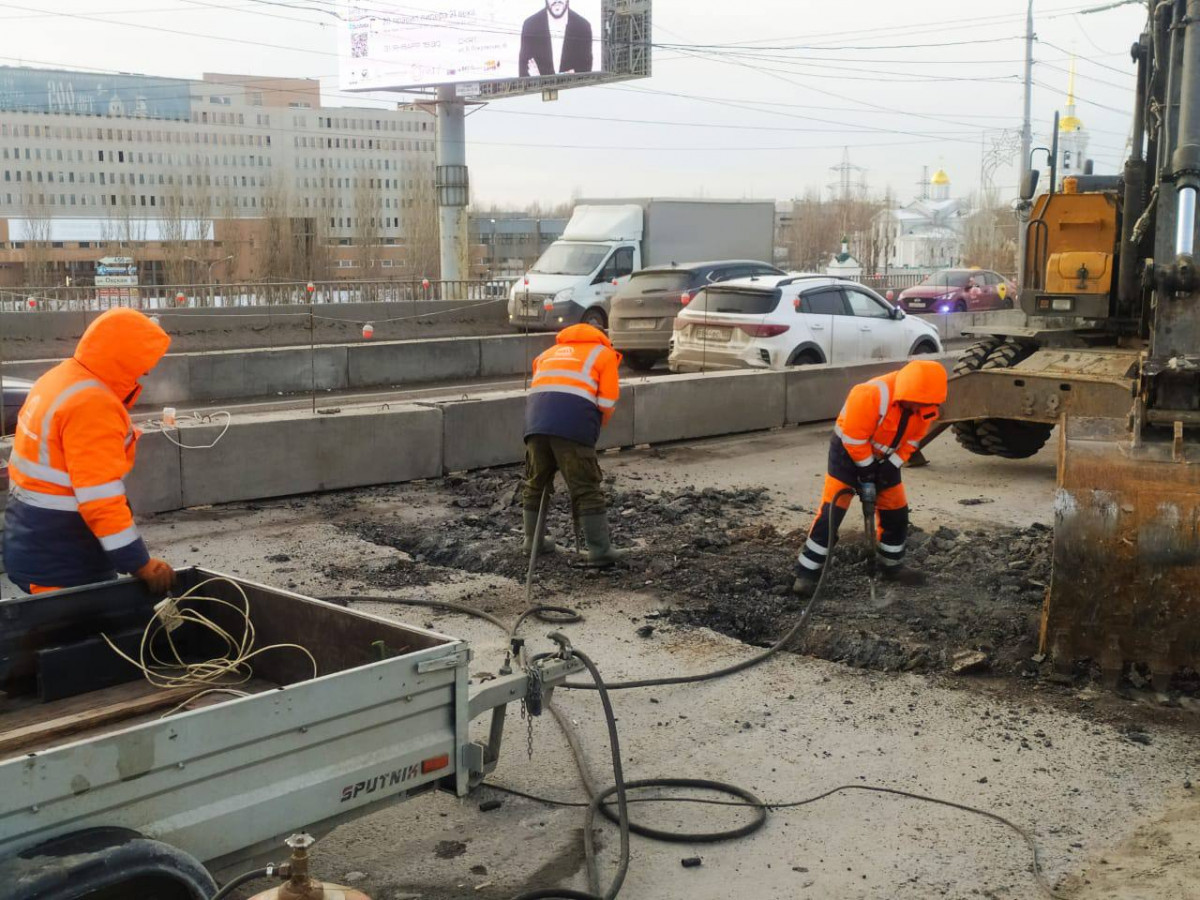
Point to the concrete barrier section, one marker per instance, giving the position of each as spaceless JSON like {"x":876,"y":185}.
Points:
{"x":511,"y":355}
{"x":374,"y":365}
{"x":280,"y":454}
{"x":52,"y":335}
{"x":620,"y":432}
{"x":490,"y":430}
{"x":235,"y":375}
{"x":695,"y":406}
{"x":182,"y":378}
{"x":286,"y":371}
{"x":485,"y":431}
{"x":170,"y":381}
{"x":155,"y":484}
{"x":284,"y":453}
{"x":816,"y":393}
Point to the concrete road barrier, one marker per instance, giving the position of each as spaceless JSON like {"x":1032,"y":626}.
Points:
{"x":705,"y":405}
{"x":52,"y":335}
{"x":449,"y":359}
{"x":283,"y":453}
{"x":280,"y":454}
{"x":156,"y":482}
{"x":816,"y":393}
{"x":511,"y":355}
{"x":479,"y":432}
{"x":489,"y":430}
{"x":183,"y":378}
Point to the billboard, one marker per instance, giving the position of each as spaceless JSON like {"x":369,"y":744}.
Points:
{"x":93,"y":94}
{"x":468,"y":42}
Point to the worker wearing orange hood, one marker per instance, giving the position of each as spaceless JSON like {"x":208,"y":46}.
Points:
{"x":68,"y":521}
{"x":879,"y":428}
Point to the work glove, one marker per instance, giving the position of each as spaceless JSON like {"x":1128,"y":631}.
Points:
{"x":158,"y":576}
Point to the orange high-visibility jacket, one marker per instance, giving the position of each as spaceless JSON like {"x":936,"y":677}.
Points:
{"x":870,"y":421}
{"x":68,"y":521}
{"x":575,"y":386}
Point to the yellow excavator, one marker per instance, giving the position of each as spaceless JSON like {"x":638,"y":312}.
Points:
{"x":1111,"y":357}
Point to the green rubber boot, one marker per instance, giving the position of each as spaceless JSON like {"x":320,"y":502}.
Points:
{"x":600,"y":551}
{"x":547,"y":546}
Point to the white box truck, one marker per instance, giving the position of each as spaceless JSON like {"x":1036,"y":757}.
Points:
{"x":606,"y":241}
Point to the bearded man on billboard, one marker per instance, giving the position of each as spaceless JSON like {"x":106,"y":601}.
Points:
{"x":556,"y":41}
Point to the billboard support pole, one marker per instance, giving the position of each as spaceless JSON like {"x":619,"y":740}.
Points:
{"x":453,"y":186}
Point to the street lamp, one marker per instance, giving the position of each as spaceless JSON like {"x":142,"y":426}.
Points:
{"x":208,"y":263}
{"x":492,"y":253}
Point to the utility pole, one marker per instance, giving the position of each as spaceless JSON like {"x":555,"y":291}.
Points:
{"x":1026,"y":146}
{"x":452,"y":185}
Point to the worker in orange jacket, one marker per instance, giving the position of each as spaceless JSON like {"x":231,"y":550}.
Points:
{"x":573,"y":395}
{"x":878,"y":430}
{"x":68,"y":521}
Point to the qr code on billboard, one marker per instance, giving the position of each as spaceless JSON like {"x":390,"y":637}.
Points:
{"x":358,"y":45}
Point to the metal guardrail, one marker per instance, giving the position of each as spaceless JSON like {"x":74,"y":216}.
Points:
{"x":217,"y":296}
{"x":881,"y":282}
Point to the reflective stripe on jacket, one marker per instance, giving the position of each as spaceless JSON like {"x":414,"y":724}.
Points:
{"x":874,"y":427}
{"x":68,"y":521}
{"x":575,"y":386}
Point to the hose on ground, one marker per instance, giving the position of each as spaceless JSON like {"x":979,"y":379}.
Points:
{"x":1024,"y":834}
{"x":618,"y":787}
{"x":244,"y":878}
{"x":568,"y":615}
{"x":599,"y":800}
{"x":759,"y":658}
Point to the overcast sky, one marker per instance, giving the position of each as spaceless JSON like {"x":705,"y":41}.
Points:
{"x":765,"y":119}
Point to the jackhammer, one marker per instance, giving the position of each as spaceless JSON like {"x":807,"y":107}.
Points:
{"x":867,"y":494}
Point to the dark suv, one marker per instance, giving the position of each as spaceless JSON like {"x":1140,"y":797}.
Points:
{"x":642,"y":314}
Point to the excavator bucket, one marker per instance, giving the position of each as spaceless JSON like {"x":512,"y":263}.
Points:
{"x":1125,"y":589}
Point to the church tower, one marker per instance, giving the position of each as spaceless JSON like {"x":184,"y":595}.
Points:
{"x":939,"y":185}
{"x":1072,"y":136}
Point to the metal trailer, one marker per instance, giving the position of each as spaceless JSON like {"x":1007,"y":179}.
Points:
{"x":145,"y":807}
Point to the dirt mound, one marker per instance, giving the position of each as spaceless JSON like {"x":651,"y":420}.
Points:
{"x":715,"y":562}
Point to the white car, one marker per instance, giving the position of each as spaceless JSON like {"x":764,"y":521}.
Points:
{"x":793,"y":320}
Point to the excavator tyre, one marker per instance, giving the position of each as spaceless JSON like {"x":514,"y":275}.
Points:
{"x":1008,"y":438}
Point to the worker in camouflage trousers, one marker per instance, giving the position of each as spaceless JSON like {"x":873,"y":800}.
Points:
{"x":573,"y":395}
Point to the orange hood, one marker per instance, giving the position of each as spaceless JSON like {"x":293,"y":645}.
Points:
{"x":922,"y":381}
{"x":583,"y":334}
{"x":121,"y":346}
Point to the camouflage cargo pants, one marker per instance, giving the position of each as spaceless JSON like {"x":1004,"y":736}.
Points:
{"x":545,"y":455}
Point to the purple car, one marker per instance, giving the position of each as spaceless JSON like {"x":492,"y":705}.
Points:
{"x":959,"y":290}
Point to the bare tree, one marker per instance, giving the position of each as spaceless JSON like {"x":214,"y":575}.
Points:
{"x":37,"y":240}
{"x":421,"y":228}
{"x":173,"y":220}
{"x":280,"y":252}
{"x":199,"y":202}
{"x":229,"y":218}
{"x":367,"y":223}
{"x":991,"y":238}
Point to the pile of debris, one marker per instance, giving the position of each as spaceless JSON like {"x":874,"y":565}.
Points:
{"x":712,"y":561}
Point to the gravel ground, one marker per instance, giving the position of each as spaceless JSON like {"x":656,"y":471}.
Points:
{"x":1102,"y":779}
